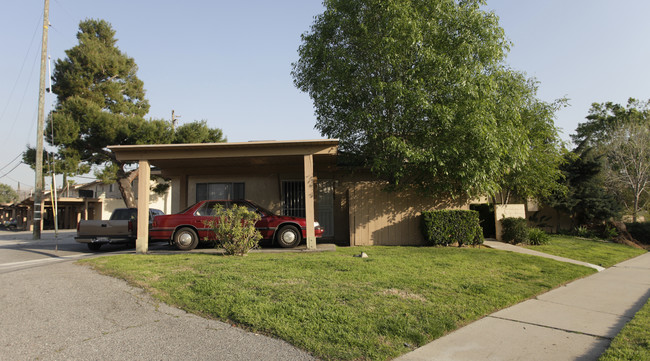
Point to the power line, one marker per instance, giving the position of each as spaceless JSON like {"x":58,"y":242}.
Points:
{"x":8,"y":164}
{"x":12,"y":169}
{"x":20,"y":72}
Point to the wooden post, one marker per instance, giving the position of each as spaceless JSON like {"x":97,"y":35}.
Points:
{"x":309,"y":201}
{"x":142,"y":242}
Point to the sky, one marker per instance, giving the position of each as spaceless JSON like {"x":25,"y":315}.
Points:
{"x":229,"y":62}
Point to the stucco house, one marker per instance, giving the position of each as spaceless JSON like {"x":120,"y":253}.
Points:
{"x":300,"y":178}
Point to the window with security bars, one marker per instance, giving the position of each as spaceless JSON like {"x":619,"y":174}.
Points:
{"x":225,"y":191}
{"x":293,"y":198}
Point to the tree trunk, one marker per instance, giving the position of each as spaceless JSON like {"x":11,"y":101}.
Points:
{"x":124,"y":182}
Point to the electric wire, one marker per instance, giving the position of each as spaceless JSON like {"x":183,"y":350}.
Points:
{"x":22,"y":100}
{"x":12,"y":169}
{"x":20,"y":72}
{"x":11,"y":161}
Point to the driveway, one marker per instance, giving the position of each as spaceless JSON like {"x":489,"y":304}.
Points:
{"x":54,"y":309}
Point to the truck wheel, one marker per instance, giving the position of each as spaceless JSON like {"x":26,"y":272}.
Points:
{"x":186,"y":239}
{"x":94,"y":246}
{"x":288,"y":237}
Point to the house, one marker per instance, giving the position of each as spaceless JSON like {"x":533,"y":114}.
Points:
{"x":300,"y":178}
{"x":94,"y":200}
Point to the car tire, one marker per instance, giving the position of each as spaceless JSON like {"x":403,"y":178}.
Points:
{"x":288,"y":237}
{"x":94,"y":246}
{"x":185,"y":239}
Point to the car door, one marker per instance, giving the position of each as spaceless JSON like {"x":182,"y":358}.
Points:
{"x":203,"y":216}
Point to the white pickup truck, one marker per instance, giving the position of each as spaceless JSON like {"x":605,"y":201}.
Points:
{"x":120,"y":228}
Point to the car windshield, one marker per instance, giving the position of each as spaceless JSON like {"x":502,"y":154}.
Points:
{"x":124,"y":214}
{"x":258,"y":207}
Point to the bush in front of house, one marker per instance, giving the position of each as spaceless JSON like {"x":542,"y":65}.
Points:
{"x":537,"y":237}
{"x":234,"y":228}
{"x":444,"y":227}
{"x":515,"y":230}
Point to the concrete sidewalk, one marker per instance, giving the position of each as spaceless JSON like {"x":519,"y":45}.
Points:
{"x":573,"y":322}
{"x":512,"y":248}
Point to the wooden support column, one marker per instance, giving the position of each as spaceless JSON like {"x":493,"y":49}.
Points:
{"x":142,"y":242}
{"x":309,"y":201}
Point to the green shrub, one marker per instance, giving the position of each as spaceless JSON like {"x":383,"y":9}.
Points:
{"x":444,"y":227}
{"x":515,"y":230}
{"x":584,"y":232}
{"x":640,"y":231}
{"x":609,"y":232}
{"x":537,"y":237}
{"x":234,"y":229}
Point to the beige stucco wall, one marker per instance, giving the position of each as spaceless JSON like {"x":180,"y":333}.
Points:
{"x":378,"y":217}
{"x":549,"y":219}
{"x":364,"y":214}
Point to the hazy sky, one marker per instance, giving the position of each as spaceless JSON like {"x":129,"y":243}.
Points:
{"x":229,"y":62}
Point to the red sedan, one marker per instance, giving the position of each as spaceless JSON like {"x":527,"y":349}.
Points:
{"x":186,"y":228}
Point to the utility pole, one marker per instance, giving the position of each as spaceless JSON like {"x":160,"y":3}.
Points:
{"x":38,"y":191}
{"x":174,"y":119}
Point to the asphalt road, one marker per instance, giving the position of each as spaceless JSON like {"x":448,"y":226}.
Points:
{"x":53,"y":309}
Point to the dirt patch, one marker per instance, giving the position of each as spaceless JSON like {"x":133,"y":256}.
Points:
{"x":403,"y":294}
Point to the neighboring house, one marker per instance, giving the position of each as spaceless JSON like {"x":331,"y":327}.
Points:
{"x":94,"y":200}
{"x":291,"y":178}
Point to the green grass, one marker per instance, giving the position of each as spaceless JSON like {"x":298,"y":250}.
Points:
{"x":341,"y":307}
{"x":598,"y":252}
{"x":633,"y":342}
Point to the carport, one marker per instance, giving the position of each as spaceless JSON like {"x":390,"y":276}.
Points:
{"x":184,"y":160}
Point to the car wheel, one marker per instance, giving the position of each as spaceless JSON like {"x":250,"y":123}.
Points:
{"x":186,"y":239}
{"x":94,"y":246}
{"x":288,"y":237}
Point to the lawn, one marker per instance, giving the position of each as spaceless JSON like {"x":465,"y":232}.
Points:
{"x":341,"y":307}
{"x":599,"y":252}
{"x":633,"y":342}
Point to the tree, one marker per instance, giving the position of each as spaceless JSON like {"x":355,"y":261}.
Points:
{"x":7,"y":194}
{"x":619,"y":134}
{"x":605,"y":118}
{"x":417,"y":91}
{"x":628,"y":162}
{"x":540,"y":175}
{"x":101,"y":102}
{"x":586,"y":198}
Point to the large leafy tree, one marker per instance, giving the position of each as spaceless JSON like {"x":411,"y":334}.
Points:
{"x":620,"y":134}
{"x":418,"y":90}
{"x":606,"y":118}
{"x":540,"y":176}
{"x":101,"y":102}
{"x":7,"y":194}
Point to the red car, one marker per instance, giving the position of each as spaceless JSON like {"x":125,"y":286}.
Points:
{"x":185,"y":228}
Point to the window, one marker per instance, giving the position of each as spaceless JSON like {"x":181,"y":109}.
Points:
{"x":293,"y":198}
{"x":225,"y":191}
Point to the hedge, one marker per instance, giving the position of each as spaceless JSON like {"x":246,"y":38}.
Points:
{"x":444,"y":227}
{"x":515,"y":230}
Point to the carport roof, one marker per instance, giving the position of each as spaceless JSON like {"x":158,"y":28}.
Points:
{"x":254,"y":153}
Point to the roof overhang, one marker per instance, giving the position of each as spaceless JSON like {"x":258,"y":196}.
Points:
{"x":193,"y":158}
